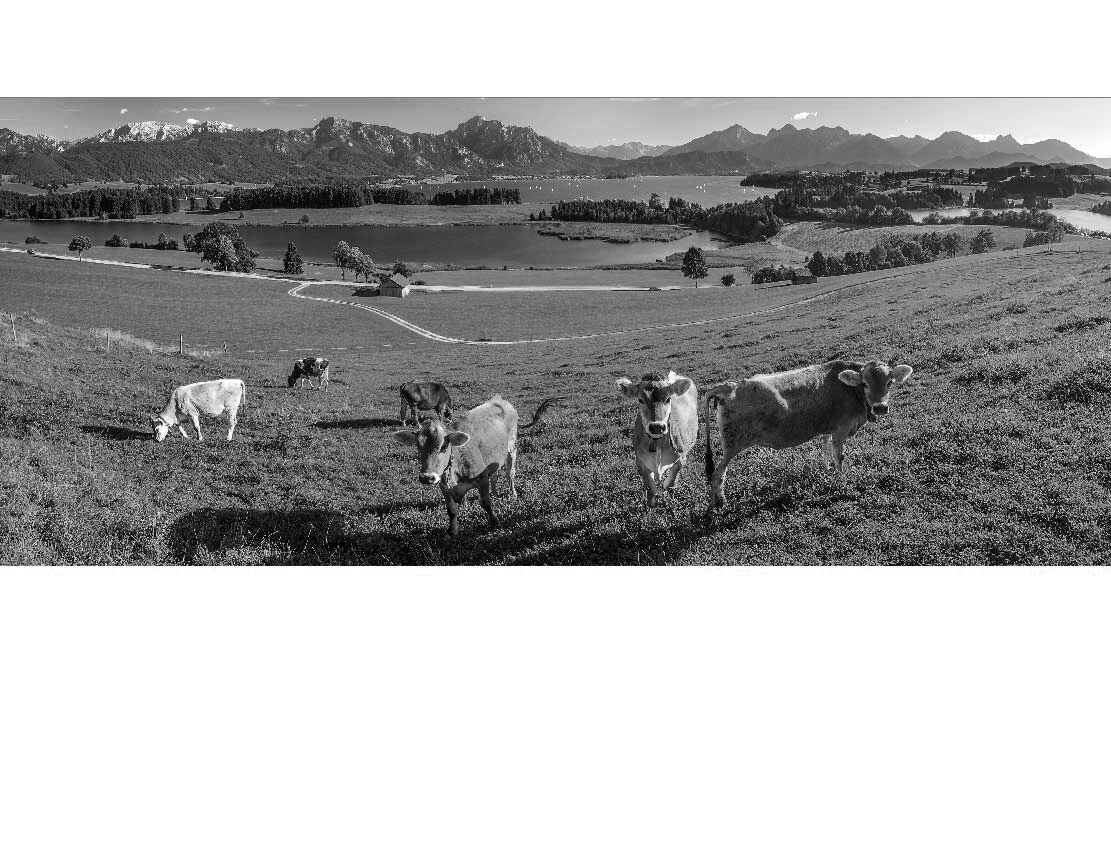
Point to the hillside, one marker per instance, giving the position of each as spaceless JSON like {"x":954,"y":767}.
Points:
{"x":994,"y":452}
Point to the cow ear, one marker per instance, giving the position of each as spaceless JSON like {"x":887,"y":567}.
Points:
{"x":681,"y":386}
{"x":850,"y":378}
{"x":900,"y":372}
{"x":405,"y":437}
{"x":458,"y":438}
{"x":625,"y":385}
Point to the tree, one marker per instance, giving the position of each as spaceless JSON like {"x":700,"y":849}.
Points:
{"x":304,"y":219}
{"x":342,"y":253}
{"x":982,"y":241}
{"x":817,"y":264}
{"x":80,"y":244}
{"x":400,"y":268}
{"x":208,"y":243}
{"x":728,"y":279}
{"x":654,"y":202}
{"x":952,"y":243}
{"x":363,"y":265}
{"x":292,"y":261}
{"x":694,"y":265}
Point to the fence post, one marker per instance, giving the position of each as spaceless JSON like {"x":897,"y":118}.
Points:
{"x":107,"y":341}
{"x":225,"y":347}
{"x":14,"y":337}
{"x":180,"y":345}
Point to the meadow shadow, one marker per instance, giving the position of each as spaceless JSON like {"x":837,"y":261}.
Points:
{"x":341,"y":424}
{"x":116,"y":433}
{"x":308,"y":534}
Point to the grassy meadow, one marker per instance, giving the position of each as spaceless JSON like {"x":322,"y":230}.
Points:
{"x":995,"y":450}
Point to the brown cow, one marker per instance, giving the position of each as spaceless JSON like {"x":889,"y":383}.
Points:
{"x":790,"y":408}
{"x":665,"y":428}
{"x":424,"y":395}
{"x":468,"y":454}
{"x":308,"y":369}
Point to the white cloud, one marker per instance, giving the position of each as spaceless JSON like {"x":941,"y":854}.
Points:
{"x":802,"y":115}
{"x":123,"y":111}
{"x":984,"y":138}
{"x":189,"y":110}
{"x":191,"y":122}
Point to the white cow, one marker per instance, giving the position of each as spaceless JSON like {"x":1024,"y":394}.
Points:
{"x":210,"y":398}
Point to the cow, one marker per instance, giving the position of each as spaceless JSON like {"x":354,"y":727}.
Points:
{"x":787,"y":409}
{"x":468,"y":453}
{"x":424,"y":395}
{"x":665,"y":428}
{"x":308,"y":369}
{"x":210,"y":398}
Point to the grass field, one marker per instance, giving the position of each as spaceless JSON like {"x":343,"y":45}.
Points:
{"x":831,"y":237}
{"x":995,"y":451}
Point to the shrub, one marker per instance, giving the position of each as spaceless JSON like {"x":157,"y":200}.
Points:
{"x":34,"y":240}
{"x":116,"y":241}
{"x":728,"y":279}
{"x":304,"y":219}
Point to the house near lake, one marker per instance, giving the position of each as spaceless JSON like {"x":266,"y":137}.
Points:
{"x":396,"y":286}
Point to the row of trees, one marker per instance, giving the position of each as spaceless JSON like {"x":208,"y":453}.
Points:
{"x":332,"y":196}
{"x":96,"y":202}
{"x":353,"y":258}
{"x":219,"y":243}
{"x":1102,"y":208}
{"x":677,"y":211}
{"x":895,"y":251}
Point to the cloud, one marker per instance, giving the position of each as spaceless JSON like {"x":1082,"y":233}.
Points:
{"x":123,"y":111}
{"x":984,"y":138}
{"x":802,"y":115}
{"x":191,"y":122}
{"x":189,"y":110}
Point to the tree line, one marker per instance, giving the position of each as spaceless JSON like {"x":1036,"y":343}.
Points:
{"x":895,"y":251}
{"x":97,"y":202}
{"x":336,"y":195}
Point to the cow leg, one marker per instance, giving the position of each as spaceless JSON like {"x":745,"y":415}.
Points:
{"x":511,"y":471}
{"x":452,"y":514}
{"x":672,"y":480}
{"x":404,"y":412}
{"x":181,"y":428}
{"x":233,"y":412}
{"x":197,"y":424}
{"x":494,"y":483}
{"x":838,"y":445}
{"x":487,"y":500}
{"x":649,"y":489}
{"x":827,"y":451}
{"x":717,"y":482}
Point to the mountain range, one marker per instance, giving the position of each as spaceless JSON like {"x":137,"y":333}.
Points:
{"x":336,"y":149}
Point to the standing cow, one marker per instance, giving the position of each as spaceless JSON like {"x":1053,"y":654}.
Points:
{"x":665,"y":428}
{"x":424,"y":395}
{"x":308,"y":369}
{"x":468,"y":453}
{"x":789,"y":408}
{"x":189,"y":402}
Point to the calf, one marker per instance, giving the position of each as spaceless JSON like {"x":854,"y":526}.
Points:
{"x":210,"y":398}
{"x":308,"y":369}
{"x":424,"y":395}
{"x":789,"y":408}
{"x":665,"y":428}
{"x":468,"y":454}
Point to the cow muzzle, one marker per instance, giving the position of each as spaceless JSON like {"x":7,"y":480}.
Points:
{"x":656,"y":429}
{"x":879,"y":409}
{"x":429,"y":478}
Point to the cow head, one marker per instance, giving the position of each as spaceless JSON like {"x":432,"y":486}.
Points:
{"x":159,"y":426}
{"x":653,"y":395}
{"x":875,"y":380}
{"x":295,"y":376}
{"x":434,"y":442}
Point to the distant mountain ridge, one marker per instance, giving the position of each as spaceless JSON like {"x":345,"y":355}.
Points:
{"x":340,"y":149}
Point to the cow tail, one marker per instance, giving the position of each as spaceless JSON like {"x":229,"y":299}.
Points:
{"x":540,"y":409}
{"x":711,"y":401}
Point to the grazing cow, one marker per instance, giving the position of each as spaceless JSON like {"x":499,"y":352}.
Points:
{"x":469,"y":452}
{"x":210,"y":398}
{"x":308,"y":369}
{"x":789,"y":408}
{"x":424,"y":395}
{"x":665,"y":428}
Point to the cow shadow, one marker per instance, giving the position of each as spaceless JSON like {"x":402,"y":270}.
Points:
{"x":115,"y":433}
{"x":308,"y":535}
{"x":357,"y":424}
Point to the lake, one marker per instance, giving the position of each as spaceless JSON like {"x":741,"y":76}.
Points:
{"x":516,"y":246}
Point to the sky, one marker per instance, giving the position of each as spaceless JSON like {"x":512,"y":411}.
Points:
{"x":1083,"y":122}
